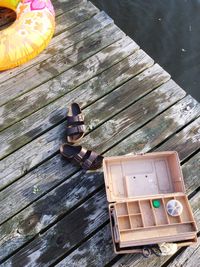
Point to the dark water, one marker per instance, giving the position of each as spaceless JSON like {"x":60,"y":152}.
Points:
{"x":168,"y":30}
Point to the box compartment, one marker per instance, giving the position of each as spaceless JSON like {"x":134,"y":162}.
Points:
{"x":125,"y":176}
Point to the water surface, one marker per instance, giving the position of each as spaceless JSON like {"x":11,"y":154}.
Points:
{"x":168,"y":30}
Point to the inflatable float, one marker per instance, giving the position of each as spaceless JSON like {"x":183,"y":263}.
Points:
{"x":29,"y":34}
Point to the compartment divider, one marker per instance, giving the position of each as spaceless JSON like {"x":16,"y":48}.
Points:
{"x":124,"y":223}
{"x":188,"y":208}
{"x":136,"y":221}
{"x":133,"y":207}
{"x":141,"y":213}
{"x":166,"y":214}
{"x":147,"y":213}
{"x":154,"y":215}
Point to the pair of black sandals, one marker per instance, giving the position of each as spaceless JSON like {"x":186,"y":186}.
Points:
{"x":87,"y":159}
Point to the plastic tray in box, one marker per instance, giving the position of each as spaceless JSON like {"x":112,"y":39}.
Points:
{"x":133,"y":183}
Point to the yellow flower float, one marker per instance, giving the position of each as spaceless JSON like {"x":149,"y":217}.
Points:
{"x":29,"y":34}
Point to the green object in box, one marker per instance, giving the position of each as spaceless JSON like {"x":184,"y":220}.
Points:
{"x":156,"y":203}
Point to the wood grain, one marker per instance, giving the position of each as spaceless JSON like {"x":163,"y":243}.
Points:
{"x":115,"y":129}
{"x":160,"y":128}
{"x":97,"y":251}
{"x":64,"y":196}
{"x":42,"y":120}
{"x":84,"y":221}
{"x":63,"y":236}
{"x":189,"y":257}
{"x":61,"y":6}
{"x":73,"y":17}
{"x":21,"y":107}
{"x":59,"y":66}
{"x":50,"y":210}
{"x":26,"y":182}
{"x":187,"y":141}
{"x":48,"y":143}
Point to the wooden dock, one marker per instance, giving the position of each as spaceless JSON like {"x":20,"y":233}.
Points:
{"x":52,"y":213}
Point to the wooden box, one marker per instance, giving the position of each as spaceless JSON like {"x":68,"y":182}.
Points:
{"x":133,"y":183}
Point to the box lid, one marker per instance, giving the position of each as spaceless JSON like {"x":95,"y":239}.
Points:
{"x":150,"y":174}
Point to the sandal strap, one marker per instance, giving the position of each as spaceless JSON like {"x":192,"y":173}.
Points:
{"x":79,"y":129}
{"x":89,"y":161}
{"x":79,"y":157}
{"x":71,"y":120}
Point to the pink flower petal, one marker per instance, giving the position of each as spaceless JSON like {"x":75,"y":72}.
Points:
{"x":38,"y":4}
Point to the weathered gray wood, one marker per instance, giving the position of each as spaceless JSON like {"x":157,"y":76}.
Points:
{"x":61,"y":6}
{"x":104,"y":238}
{"x":146,"y":78}
{"x":186,"y":140}
{"x":24,"y":159}
{"x":75,"y":16}
{"x":190,"y":257}
{"x":70,"y":230}
{"x":62,"y":41}
{"x":45,"y":177}
{"x":47,"y":208}
{"x":161,"y":128}
{"x":25,"y":183}
{"x":64,"y":235}
{"x":61,"y":199}
{"x":59,"y":66}
{"x":32,"y":101}
{"x":191,"y":171}
{"x":97,"y":251}
{"x":36,"y":217}
{"x":40,"y":121}
{"x":127,"y":94}
{"x":115,"y":129}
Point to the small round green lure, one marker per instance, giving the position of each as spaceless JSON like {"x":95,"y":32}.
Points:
{"x":156,"y":203}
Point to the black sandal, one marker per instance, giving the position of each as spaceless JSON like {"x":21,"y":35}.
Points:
{"x":87,"y":159}
{"x":75,"y":124}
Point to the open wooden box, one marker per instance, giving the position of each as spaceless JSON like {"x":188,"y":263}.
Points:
{"x":132,"y":183}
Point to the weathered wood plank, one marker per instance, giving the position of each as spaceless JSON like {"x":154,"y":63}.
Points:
{"x":62,"y":198}
{"x":123,"y":124}
{"x":51,"y":172}
{"x":61,"y":6}
{"x":191,"y":171}
{"x":62,"y":41}
{"x":75,"y":16}
{"x":32,"y":101}
{"x":19,"y":134}
{"x":127,"y":121}
{"x":97,"y":251}
{"x":64,"y":235}
{"x":190,"y":257}
{"x":51,"y":72}
{"x":59,"y":235}
{"x":103,"y":238}
{"x":154,"y":261}
{"x":161,"y":128}
{"x":146,"y":78}
{"x":186,"y":141}
{"x":71,"y":230}
{"x":21,"y":228}
{"x":127,"y":94}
